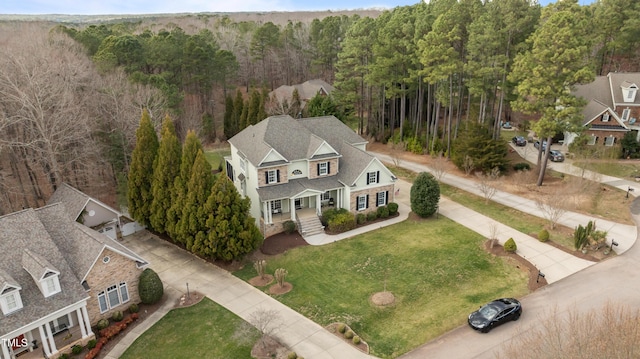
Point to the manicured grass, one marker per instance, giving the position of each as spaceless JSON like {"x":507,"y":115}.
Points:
{"x":437,"y":270}
{"x":205,"y":330}
{"x":216,"y":157}
{"x":612,"y":168}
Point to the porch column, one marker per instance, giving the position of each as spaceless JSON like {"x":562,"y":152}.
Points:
{"x":5,"y":350}
{"x":292,"y":206}
{"x":44,"y":343}
{"x":265,"y":212}
{"x":318,"y":209}
{"x":47,"y":327}
{"x":81,"y":323}
{"x":87,"y":323}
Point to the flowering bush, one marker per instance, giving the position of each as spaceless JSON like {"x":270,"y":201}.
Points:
{"x":108,"y":333}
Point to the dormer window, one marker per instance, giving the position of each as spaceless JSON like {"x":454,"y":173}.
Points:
{"x":605,"y":117}
{"x":629,"y":91}
{"x":10,"y":300}
{"x":272,"y":176}
{"x":323,"y":168}
{"x":50,"y":284}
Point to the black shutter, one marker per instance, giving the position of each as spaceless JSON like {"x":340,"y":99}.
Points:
{"x":378,"y":177}
{"x":266,"y":176}
{"x":328,"y":168}
{"x":277,"y":176}
{"x":367,"y":202}
{"x":386,"y":197}
{"x":367,"y":178}
{"x":318,"y":168}
{"x":378,"y":199}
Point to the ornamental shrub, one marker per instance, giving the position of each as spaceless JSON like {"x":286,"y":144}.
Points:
{"x":150,"y":287}
{"x":361,"y":218}
{"x":356,"y":340}
{"x":117,"y":316}
{"x":292,"y":355}
{"x":543,"y":235}
{"x":372,"y":216}
{"x":522,"y":166}
{"x":342,"y":222}
{"x":330,"y":213}
{"x":425,"y":195}
{"x":133,"y":308}
{"x":349,"y":334}
{"x":76,"y":349}
{"x":342,"y":328}
{"x":393,"y":208}
{"x":91,"y":344}
{"x":510,"y":245}
{"x":289,"y":227}
{"x":383,"y":212}
{"x":102,"y":323}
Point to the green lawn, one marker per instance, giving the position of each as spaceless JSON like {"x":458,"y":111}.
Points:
{"x":437,"y":270}
{"x":216,"y":157}
{"x":205,"y":330}
{"x":612,"y":168}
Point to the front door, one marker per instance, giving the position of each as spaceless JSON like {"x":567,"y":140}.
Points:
{"x":298,"y":203}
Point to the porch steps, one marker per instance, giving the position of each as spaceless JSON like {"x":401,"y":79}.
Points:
{"x":310,"y":226}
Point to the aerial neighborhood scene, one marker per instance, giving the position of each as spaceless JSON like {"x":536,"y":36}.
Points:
{"x":274,"y":179}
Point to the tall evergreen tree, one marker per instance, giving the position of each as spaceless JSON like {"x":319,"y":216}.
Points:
{"x":190,"y":150}
{"x":253,"y":107}
{"x":238,"y":105}
{"x":244,"y":117}
{"x":165,"y":171}
{"x":230,"y":128}
{"x":232,"y":231}
{"x":141,"y":170}
{"x":192,"y":224}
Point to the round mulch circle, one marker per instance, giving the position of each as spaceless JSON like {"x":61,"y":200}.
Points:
{"x":261,"y":281}
{"x":189,"y":300}
{"x":277,"y":289}
{"x":383,"y":299}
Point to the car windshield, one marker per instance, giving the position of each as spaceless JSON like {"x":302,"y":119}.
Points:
{"x":488,"y":311}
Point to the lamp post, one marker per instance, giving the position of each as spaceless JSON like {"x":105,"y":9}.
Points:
{"x":630,"y":189}
{"x":540,"y":274}
{"x":187,"y":290}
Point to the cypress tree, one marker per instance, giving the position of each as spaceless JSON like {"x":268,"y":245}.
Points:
{"x":254,"y":107}
{"x":189,"y":152}
{"x":165,"y":171}
{"x":244,"y":117}
{"x":229,"y":126}
{"x":238,"y":106}
{"x":192,"y":223}
{"x":139,"y":194}
{"x":232,"y":231}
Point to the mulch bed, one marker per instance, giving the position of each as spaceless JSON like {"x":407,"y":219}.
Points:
{"x":521,"y":263}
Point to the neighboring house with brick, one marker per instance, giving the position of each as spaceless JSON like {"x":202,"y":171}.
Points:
{"x":612,"y":110}
{"x":57,"y":279}
{"x":93,"y":213}
{"x":291,"y":168}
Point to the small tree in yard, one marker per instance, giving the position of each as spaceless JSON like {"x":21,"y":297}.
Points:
{"x":425,"y":195}
{"x":150,"y":287}
{"x":267,"y":322}
{"x":281,"y":275}
{"x":260,"y":266}
{"x":493,"y":234}
{"x":487,"y":183}
{"x":439,"y":166}
{"x":552,"y":207}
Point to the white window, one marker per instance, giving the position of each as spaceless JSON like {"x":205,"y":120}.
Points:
{"x":362,"y":202}
{"x":112,"y":294}
{"x":102,"y":302}
{"x":243,"y":165}
{"x":323,"y":168}
{"x":381,"y":198}
{"x":326,"y":196}
{"x":592,"y":140}
{"x":273,"y":176}
{"x":50,"y":284}
{"x":372,"y":177}
{"x":630,"y":94}
{"x":605,"y":117}
{"x":124,"y":292}
{"x":609,"y":141}
{"x":625,"y":114}
{"x":296,"y":173}
{"x":276,"y":206}
{"x":12,"y":303}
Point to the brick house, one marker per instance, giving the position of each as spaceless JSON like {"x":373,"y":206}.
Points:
{"x":612,"y":110}
{"x":293,"y":169}
{"x":57,"y":279}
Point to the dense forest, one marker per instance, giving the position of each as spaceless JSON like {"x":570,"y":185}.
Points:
{"x":72,"y":95}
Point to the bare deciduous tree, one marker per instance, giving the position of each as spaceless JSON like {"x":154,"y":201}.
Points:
{"x":439,"y":166}
{"x":552,"y":207}
{"x":267,"y":321}
{"x":487,"y":183}
{"x":467,"y":165}
{"x":493,"y":234}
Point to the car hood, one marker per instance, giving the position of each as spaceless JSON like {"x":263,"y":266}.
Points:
{"x":478,"y":320}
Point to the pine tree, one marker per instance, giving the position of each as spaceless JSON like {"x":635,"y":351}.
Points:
{"x":192,"y":224}
{"x":238,"y":105}
{"x":244,"y":117}
{"x":264,"y":99}
{"x":178,"y":196}
{"x":254,"y":107}
{"x":232,"y":231}
{"x":166,"y":169}
{"x":141,"y":170}
{"x":229,"y":126}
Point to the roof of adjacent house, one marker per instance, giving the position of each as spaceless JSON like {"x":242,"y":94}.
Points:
{"x":306,"y":90}
{"x":48,"y":239}
{"x":618,"y":80}
{"x":74,"y":200}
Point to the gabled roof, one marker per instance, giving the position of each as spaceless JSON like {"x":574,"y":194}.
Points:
{"x":354,"y":162}
{"x":36,"y":265}
{"x":293,"y":139}
{"x":619,"y":80}
{"x":24,"y":230}
{"x":298,"y":186}
{"x":306,"y":90}
{"x":597,"y":90}
{"x":74,"y":200}
{"x":6,"y":281}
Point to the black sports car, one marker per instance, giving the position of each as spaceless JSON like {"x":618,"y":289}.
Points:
{"x":495,"y":313}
